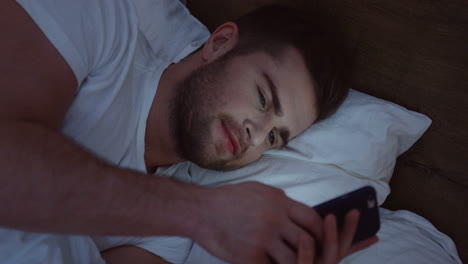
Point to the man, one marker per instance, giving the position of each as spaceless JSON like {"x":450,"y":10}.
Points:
{"x":82,"y":124}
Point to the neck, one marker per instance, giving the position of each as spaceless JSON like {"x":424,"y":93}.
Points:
{"x":160,"y":144}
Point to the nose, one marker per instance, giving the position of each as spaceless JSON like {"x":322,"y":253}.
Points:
{"x":257,"y":130}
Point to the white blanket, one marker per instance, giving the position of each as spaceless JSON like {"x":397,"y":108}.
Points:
{"x":404,"y":238}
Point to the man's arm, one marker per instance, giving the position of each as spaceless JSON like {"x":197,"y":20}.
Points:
{"x":47,"y":182}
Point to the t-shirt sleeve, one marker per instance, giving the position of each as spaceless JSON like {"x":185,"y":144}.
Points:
{"x":171,"y":248}
{"x":89,"y":34}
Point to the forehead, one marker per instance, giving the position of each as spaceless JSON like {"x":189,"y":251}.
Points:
{"x":294,"y":86}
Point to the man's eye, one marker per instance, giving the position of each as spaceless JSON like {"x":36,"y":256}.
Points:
{"x":271,"y":137}
{"x":262,"y":98}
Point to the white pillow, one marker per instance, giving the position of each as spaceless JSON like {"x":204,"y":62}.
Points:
{"x":364,"y":137}
{"x":356,"y":146}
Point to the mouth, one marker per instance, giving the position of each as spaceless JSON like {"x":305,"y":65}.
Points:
{"x":232,"y":143}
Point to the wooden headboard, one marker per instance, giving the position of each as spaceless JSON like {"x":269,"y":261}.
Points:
{"x":413,"y":53}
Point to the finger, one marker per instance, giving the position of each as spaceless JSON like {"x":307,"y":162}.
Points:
{"x":282,"y":253}
{"x":330,"y":240}
{"x":307,"y":218}
{"x":293,"y":233}
{"x":363,"y":244}
{"x":306,"y":250}
{"x":349,"y":229}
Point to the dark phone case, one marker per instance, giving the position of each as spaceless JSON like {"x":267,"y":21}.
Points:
{"x":365,"y":201}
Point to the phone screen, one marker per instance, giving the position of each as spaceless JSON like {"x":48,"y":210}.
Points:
{"x":363,"y":199}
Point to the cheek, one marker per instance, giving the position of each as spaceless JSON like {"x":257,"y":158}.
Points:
{"x":238,"y":99}
{"x":236,"y":91}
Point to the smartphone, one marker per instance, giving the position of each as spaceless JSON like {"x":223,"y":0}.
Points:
{"x":364,"y":200}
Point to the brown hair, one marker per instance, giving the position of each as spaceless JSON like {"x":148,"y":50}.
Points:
{"x":273,"y":28}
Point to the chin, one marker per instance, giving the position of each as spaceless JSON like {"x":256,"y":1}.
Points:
{"x":211,"y":164}
{"x":218,"y":159}
{"x":221,"y":165}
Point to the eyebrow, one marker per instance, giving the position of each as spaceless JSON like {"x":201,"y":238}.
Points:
{"x":274,"y":95}
{"x":284,"y":132}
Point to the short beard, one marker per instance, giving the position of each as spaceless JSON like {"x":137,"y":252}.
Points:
{"x":190,"y":119}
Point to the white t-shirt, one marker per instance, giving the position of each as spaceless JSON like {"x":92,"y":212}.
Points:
{"x":117,"y":50}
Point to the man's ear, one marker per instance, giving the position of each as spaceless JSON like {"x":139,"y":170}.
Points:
{"x":222,"y":40}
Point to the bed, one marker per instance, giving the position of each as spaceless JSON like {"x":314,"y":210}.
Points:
{"x":413,"y":53}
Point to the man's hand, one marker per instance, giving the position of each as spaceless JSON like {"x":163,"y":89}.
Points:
{"x":254,"y":223}
{"x":335,"y":246}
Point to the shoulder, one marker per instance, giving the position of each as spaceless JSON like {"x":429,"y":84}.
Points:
{"x":86,"y":33}
{"x":169,"y":27}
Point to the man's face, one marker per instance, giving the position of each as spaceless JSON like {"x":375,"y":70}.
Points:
{"x":230,"y":111}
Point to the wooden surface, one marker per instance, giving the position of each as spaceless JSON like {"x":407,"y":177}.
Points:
{"x":414,"y":53}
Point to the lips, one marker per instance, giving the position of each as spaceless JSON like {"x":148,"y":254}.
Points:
{"x":232,"y":143}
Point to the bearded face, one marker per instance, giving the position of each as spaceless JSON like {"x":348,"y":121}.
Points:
{"x":195,"y":110}
{"x":231,"y":110}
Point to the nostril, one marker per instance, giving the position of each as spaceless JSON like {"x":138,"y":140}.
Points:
{"x":248,"y":131}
